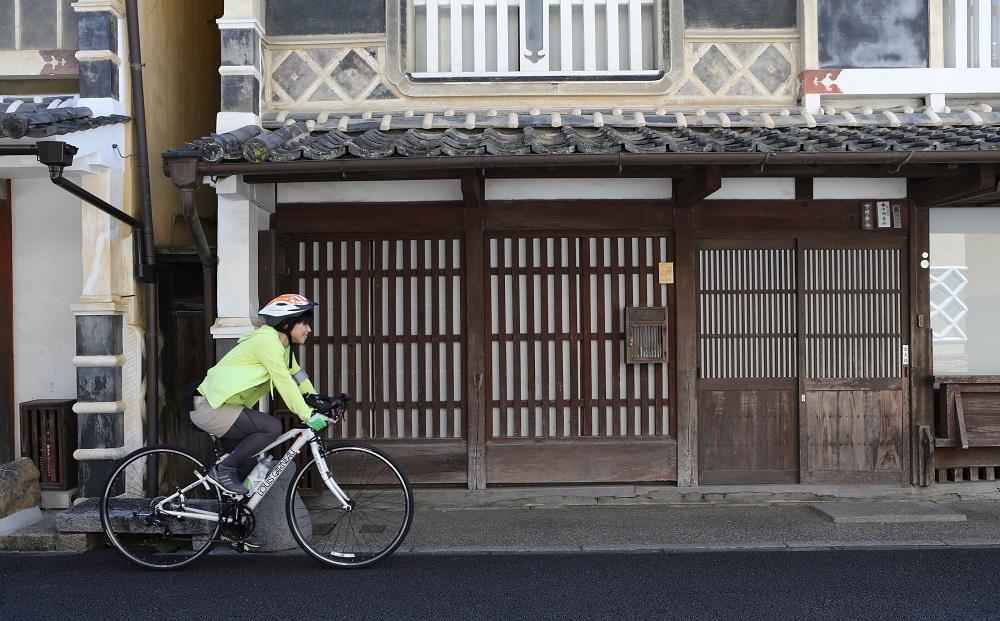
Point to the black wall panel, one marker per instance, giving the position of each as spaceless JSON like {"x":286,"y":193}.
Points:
{"x":310,"y":17}
{"x":873,"y":33}
{"x":740,"y":13}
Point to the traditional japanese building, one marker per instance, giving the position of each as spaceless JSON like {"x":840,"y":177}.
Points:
{"x":593,"y":241}
{"x":72,"y":325}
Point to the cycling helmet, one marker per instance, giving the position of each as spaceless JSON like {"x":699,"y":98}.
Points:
{"x":286,"y":307}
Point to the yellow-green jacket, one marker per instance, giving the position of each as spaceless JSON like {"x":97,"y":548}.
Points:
{"x":258,"y":364}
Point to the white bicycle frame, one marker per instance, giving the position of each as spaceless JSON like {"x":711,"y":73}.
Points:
{"x":303,"y":436}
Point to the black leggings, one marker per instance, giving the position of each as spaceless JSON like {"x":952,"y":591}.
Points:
{"x":249,"y":435}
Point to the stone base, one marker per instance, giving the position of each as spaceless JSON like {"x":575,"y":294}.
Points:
{"x":887,"y":512}
{"x":21,"y":519}
{"x":43,"y":537}
{"x":270,"y":516}
{"x":58,"y":499}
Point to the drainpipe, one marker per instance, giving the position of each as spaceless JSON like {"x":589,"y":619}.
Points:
{"x":147,"y":241}
{"x":184,"y":173}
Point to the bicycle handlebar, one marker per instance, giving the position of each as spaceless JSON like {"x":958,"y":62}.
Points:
{"x":325,"y":404}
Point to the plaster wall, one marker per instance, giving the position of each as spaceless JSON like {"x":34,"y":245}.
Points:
{"x":755,"y":189}
{"x":583,"y":189}
{"x":370,"y":191}
{"x":858,"y":188}
{"x":47,"y":233}
{"x":180,"y":54}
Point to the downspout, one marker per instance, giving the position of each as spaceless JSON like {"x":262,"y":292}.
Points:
{"x":146,"y":216}
{"x":190,"y":211}
{"x":184,"y":173}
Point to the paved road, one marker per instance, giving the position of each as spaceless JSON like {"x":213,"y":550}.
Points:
{"x":875,"y":584}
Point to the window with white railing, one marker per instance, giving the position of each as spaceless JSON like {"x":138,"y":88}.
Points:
{"x":972,"y":33}
{"x":536,"y":38}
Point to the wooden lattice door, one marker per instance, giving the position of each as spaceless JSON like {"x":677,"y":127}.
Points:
{"x":855,"y":393}
{"x":801,"y":362}
{"x":390,"y":332}
{"x":563,"y":404}
{"x":748,"y":364}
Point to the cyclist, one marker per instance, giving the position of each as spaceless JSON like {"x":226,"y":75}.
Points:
{"x":225,"y":402}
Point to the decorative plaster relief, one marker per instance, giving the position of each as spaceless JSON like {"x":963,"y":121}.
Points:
{"x":307,"y":78}
{"x":728,"y":71}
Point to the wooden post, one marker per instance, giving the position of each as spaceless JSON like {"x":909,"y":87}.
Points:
{"x":921,"y":363}
{"x":687,"y":193}
{"x":6,"y":326}
{"x":473,"y":193}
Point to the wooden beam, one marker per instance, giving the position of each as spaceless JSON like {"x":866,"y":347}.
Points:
{"x":963,"y":436}
{"x":693,"y":189}
{"x":977,"y":180}
{"x":473,"y":196}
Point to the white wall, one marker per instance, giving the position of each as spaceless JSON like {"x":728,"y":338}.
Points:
{"x":858,"y":188}
{"x":47,"y":234}
{"x":583,"y":189}
{"x":370,"y":191}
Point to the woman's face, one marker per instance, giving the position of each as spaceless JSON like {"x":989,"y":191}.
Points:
{"x":301,"y":332}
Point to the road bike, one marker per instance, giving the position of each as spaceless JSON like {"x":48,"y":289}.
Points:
{"x":349,"y":506}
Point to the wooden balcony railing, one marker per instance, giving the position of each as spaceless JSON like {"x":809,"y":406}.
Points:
{"x":972,"y":33}
{"x":534,"y":38}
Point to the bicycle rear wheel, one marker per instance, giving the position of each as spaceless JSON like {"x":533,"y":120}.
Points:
{"x":139,"y":529}
{"x":380,"y":513}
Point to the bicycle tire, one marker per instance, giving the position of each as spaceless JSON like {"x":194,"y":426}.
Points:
{"x":145,"y":537}
{"x":381,"y":514}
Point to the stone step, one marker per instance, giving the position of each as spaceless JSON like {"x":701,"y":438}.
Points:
{"x":44,"y":537}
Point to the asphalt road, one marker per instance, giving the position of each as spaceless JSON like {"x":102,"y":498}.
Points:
{"x":875,"y":584}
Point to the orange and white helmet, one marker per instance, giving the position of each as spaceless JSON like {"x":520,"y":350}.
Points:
{"x":286,"y":306}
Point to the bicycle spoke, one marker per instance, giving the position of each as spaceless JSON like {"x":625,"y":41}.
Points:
{"x":141,"y":526}
{"x":379,"y":516}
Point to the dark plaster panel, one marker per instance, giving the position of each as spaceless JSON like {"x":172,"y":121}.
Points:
{"x":6,"y":24}
{"x":100,"y":430}
{"x":240,"y":93}
{"x":70,"y":19}
{"x":93,"y":476}
{"x":98,"y":30}
{"x":98,"y":335}
{"x":307,"y":17}
{"x":98,"y":383}
{"x":38,"y":25}
{"x":740,"y":13}
{"x":239,"y":47}
{"x":873,"y":33}
{"x":99,"y":78}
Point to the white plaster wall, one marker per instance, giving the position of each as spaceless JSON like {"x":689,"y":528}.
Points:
{"x":370,"y":191}
{"x":47,"y":233}
{"x":583,"y":189}
{"x":858,"y":188}
{"x":738,"y":188}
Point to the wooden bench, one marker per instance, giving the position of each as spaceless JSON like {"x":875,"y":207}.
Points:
{"x":970,"y":405}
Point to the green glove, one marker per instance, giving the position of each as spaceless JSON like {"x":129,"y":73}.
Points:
{"x":318,"y":422}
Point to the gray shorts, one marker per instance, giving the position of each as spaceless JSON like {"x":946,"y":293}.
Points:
{"x":216,"y":421}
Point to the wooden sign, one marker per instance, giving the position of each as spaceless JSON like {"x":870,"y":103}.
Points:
{"x":666,"y":269}
{"x":867,"y":216}
{"x":883,"y":214}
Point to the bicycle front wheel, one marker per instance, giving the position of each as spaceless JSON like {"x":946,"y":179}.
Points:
{"x":376,"y":520}
{"x":143,"y":527}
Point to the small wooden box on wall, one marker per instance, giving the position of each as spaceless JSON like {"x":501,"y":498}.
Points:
{"x":646,"y":334}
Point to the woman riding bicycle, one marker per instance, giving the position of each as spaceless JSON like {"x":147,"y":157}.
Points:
{"x":225,"y":403}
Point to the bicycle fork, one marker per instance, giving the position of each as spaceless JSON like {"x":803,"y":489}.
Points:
{"x":328,"y":480}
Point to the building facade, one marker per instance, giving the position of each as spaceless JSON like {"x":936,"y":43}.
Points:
{"x":604,"y":241}
{"x":74,"y":329}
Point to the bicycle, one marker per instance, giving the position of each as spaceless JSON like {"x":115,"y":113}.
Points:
{"x":350,"y":506}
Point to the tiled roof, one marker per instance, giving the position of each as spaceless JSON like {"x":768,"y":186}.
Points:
{"x":49,"y":116}
{"x":770,"y":118}
{"x":595,"y":133}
